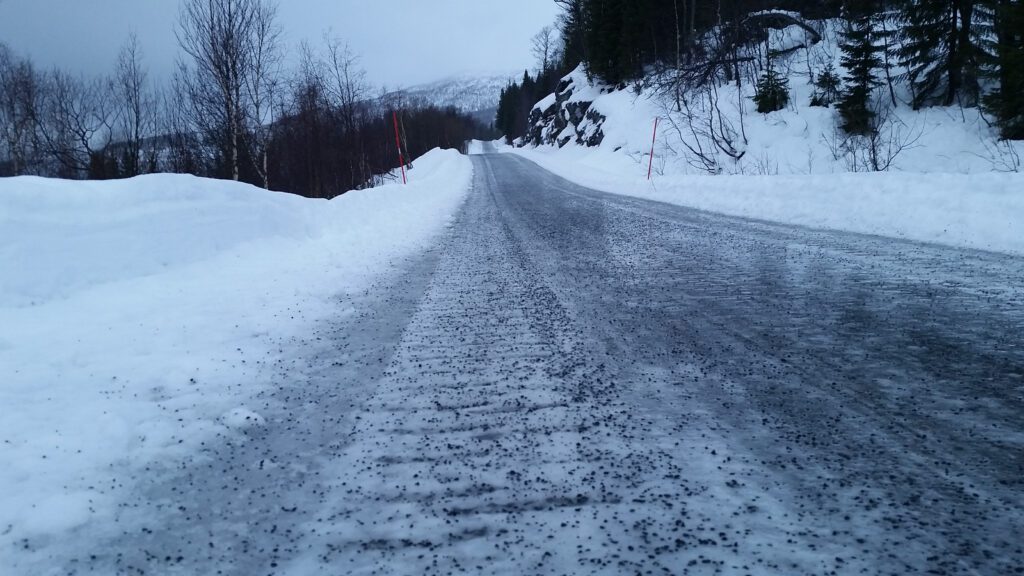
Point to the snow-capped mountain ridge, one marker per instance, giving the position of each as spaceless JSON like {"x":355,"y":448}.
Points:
{"x":476,"y":94}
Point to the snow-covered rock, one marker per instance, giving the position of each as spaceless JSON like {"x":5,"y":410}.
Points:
{"x":718,"y":130}
{"x":949,"y":179}
{"x":567,"y":115}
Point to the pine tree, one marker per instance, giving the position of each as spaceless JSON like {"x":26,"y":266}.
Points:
{"x":861,"y":58}
{"x":772,"y":91}
{"x":1004,"y":62}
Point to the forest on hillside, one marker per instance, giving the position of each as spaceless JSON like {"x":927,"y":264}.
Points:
{"x":946,"y":52}
{"x":232,"y":110}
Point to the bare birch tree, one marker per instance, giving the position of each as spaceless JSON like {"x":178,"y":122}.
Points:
{"x":544,"y":47}
{"x":263,"y":84}
{"x":348,"y":87}
{"x":137,"y":108}
{"x":75,"y":124}
{"x":183,"y":152}
{"x":233,"y":47}
{"x":19,"y":104}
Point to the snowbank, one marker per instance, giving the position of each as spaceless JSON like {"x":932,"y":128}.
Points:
{"x":983,"y":211}
{"x":951,"y":182}
{"x":137,"y":318}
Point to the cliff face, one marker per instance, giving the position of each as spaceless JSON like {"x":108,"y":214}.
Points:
{"x":566,"y":115}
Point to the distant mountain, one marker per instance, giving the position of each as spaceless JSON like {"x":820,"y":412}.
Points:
{"x":472,"y":93}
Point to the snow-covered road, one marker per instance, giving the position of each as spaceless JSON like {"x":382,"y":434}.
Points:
{"x":580,"y":383}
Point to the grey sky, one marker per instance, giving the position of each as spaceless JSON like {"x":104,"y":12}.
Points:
{"x":401,"y":42}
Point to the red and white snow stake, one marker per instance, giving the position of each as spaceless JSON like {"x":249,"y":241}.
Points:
{"x":650,"y":163}
{"x":398,"y":144}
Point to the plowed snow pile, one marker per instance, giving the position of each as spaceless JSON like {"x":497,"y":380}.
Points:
{"x":136,"y":318}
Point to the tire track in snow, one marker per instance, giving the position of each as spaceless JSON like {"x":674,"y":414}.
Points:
{"x":497,"y":443}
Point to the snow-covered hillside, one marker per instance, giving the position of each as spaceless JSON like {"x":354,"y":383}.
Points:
{"x":471,"y":93}
{"x":719,"y":131}
{"x":139,"y":318}
{"x":948,"y":179}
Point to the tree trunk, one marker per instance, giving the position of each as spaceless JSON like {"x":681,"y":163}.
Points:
{"x":266,"y":171}
{"x":968,"y":59}
{"x":953,"y":60}
{"x":888,"y":65}
{"x":679,"y":55}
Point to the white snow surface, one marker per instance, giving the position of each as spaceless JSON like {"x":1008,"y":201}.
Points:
{"x":953,"y":184}
{"x":983,"y":211}
{"x":129,"y":308}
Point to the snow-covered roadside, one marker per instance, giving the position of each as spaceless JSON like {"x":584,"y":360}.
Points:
{"x":982,"y":210}
{"x":137,"y":319}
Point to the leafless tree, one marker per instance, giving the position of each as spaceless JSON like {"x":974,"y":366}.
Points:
{"x":233,"y":47}
{"x":19,"y":106}
{"x":694,"y":138}
{"x":348,"y":91}
{"x":347,"y":80}
{"x":1002,"y":155}
{"x":708,"y":135}
{"x":75,"y":123}
{"x":183,"y":151}
{"x":878,"y":150}
{"x":137,"y":109}
{"x":722,"y":131}
{"x":544,"y":45}
{"x":264,"y":87}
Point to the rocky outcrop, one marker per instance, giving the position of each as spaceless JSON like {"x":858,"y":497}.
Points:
{"x":567,"y":115}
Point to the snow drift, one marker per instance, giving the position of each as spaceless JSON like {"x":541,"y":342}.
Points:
{"x":136,"y":316}
{"x":980,"y":211}
{"x":948,"y":181}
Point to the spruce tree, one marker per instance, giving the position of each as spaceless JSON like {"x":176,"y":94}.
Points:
{"x":772,"y":91}
{"x":939,"y":50}
{"x":572,"y":27}
{"x":1005,"y":65}
{"x":826,"y":87}
{"x":508,"y":119}
{"x":631,"y":59}
{"x":861,"y":58}
{"x":603,"y":27}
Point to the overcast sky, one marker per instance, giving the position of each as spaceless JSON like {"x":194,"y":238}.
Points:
{"x":400,"y":42}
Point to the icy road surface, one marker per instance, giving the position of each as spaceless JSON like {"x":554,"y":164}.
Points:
{"x":581,"y":383}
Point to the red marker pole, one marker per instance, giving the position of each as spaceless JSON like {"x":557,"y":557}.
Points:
{"x":398,"y":144}
{"x":654,"y":139}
